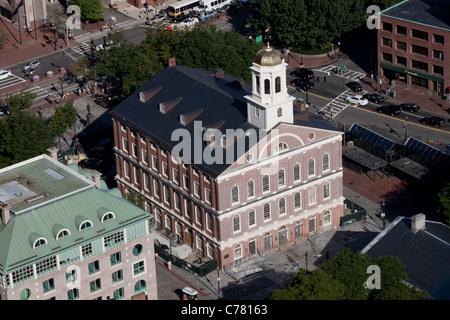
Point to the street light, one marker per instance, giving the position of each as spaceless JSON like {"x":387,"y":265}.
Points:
{"x":301,"y":56}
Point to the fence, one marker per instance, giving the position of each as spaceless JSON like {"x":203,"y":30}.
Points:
{"x":202,"y":271}
{"x":358,"y":213}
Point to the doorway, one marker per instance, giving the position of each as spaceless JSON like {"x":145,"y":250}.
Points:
{"x":282,"y":235}
{"x":252,"y":247}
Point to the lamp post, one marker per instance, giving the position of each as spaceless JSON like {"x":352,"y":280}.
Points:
{"x":301,"y":56}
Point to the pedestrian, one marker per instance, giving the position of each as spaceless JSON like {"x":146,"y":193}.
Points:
{"x":344,"y":68}
{"x":328,"y":73}
{"x":324,"y":78}
{"x":57,"y":100}
{"x":68,"y":96}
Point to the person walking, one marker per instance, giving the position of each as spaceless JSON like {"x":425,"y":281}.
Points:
{"x":324,"y":78}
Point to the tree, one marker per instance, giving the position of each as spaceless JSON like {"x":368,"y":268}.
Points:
{"x":23,"y":136}
{"x":444,"y":202}
{"x":343,"y":277}
{"x":90,"y":9}
{"x":20,"y":101}
{"x":135,"y":198}
{"x":64,"y":118}
{"x":307,"y":285}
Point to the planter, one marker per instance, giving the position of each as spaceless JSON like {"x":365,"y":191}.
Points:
{"x":49,"y":73}
{"x":36,"y":78}
{"x":62,"y":70}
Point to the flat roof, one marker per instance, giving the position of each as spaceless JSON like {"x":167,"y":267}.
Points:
{"x":363,"y":157}
{"x":36,"y":182}
{"x":434,"y":13}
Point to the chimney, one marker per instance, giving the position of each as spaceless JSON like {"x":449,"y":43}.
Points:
{"x":242,"y":83}
{"x":5,"y":212}
{"x":96,"y":176}
{"x":53,"y":152}
{"x":302,"y":116}
{"x":417,"y":222}
{"x":146,"y":95}
{"x":172,"y":62}
{"x":219,"y":74}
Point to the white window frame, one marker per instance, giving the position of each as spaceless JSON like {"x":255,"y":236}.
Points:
{"x":266,"y":184}
{"x":326,"y":189}
{"x":281,"y":178}
{"x":282,"y":206}
{"x":297,"y":204}
{"x":250,"y":189}
{"x":236,"y":223}
{"x":313,"y":167}
{"x":312,"y":194}
{"x":235,"y":194}
{"x":326,"y":156}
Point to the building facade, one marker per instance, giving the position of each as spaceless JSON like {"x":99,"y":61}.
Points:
{"x":413,"y":45}
{"x":271,"y":183}
{"x":65,"y":236}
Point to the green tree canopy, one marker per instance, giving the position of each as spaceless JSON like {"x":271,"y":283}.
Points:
{"x":90,"y":9}
{"x":23,"y":136}
{"x":64,"y":117}
{"x":444,"y":202}
{"x":19,"y":101}
{"x":343,"y":277}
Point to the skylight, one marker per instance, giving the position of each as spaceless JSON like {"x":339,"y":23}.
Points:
{"x":54,"y":174}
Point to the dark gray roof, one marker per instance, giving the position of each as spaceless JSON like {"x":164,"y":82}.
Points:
{"x":426,"y":253}
{"x":433,"y":13}
{"x":222,"y":99}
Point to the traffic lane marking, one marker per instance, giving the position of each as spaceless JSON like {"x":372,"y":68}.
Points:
{"x":311,"y":93}
{"x":401,"y":120}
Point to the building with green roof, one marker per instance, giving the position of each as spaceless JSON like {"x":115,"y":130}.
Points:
{"x":65,"y":236}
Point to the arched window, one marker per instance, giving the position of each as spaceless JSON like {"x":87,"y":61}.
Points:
{"x":281,"y":147}
{"x":296,"y":172}
{"x":85,"y":225}
{"x":236,"y":223}
{"x":311,"y":167}
{"x":108,"y":216}
{"x":326,"y":190}
{"x":281,"y":180}
{"x":279,"y":112}
{"x":235,"y":194}
{"x":265,"y":182}
{"x":267,"y":211}
{"x":250,"y":189}
{"x":251,"y":218}
{"x":325,"y":162}
{"x":297,"y":200}
{"x":39,"y":243}
{"x":140,"y":286}
{"x":267,"y":86}
{"x":277,"y":84}
{"x":63,"y":233}
{"x":282,"y":206}
{"x":237,"y":253}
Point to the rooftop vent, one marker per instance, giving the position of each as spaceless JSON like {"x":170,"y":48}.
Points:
{"x":187,"y":118}
{"x":215,"y":125}
{"x":219,"y":74}
{"x":165,"y":107}
{"x":146,"y":95}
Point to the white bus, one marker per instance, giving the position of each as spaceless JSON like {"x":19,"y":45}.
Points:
{"x":213,"y":4}
{"x":182,"y":7}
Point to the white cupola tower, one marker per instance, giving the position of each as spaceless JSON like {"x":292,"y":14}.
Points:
{"x":269,"y":102}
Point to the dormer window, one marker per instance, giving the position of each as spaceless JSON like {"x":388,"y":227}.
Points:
{"x":108,"y":216}
{"x":63,"y":233}
{"x":85,"y":225}
{"x":39,"y":243}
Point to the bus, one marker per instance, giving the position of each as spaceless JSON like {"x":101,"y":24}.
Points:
{"x":182,"y":7}
{"x":213,"y":4}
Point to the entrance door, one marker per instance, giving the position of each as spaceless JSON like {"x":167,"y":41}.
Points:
{"x":282,"y":235}
{"x":312,"y":225}
{"x":298,"y":230}
{"x":188,"y":239}
{"x":267,"y":242}
{"x":252,"y":247}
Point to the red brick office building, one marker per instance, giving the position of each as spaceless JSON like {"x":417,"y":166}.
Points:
{"x":414,"y":46}
{"x":283,"y":185}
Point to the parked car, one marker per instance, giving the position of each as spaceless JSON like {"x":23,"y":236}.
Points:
{"x":99,"y":47}
{"x":355,"y":86}
{"x":434,"y":121}
{"x":303,"y":73}
{"x":374,"y":97}
{"x":357,"y":99}
{"x":5,"y":74}
{"x":224,"y":8}
{"x":392,"y":110}
{"x":412,"y":107}
{"x":302,"y":83}
{"x":31,"y":65}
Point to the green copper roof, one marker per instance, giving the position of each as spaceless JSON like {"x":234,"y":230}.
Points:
{"x":62,"y":212}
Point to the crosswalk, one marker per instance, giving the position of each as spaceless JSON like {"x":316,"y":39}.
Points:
{"x":84,"y":49}
{"x":11,"y":81}
{"x":43,"y":92}
{"x":348,"y":74}
{"x":338,"y":104}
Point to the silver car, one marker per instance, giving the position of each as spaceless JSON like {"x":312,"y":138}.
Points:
{"x":33,"y":64}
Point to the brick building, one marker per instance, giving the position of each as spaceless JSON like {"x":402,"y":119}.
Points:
{"x":225,"y":166}
{"x":414,"y":44}
{"x":65,"y":236}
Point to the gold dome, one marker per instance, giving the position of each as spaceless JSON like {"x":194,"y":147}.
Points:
{"x":268,"y":57}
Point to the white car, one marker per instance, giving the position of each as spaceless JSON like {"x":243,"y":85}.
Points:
{"x":5,"y":74}
{"x":357,"y":99}
{"x":98,"y":47}
{"x":188,"y":22}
